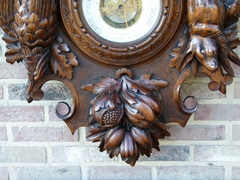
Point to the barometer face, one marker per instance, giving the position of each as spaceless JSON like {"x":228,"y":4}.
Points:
{"x":122,"y":32}
{"x":122,"y":21}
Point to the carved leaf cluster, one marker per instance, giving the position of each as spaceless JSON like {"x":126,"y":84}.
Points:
{"x":126,"y":116}
{"x":62,"y":60}
{"x":179,"y":54}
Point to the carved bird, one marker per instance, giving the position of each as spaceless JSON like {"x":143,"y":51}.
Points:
{"x":30,"y":28}
{"x":13,"y":47}
{"x":36,"y":26}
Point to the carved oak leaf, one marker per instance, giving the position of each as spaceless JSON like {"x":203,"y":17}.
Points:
{"x":102,"y":86}
{"x":179,"y":54}
{"x":232,"y":11}
{"x":62,"y":60}
{"x":125,"y":115}
{"x":231,"y":33}
{"x":13,"y":49}
{"x":152,"y":84}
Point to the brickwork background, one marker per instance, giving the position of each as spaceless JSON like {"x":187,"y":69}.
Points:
{"x":35,"y":144}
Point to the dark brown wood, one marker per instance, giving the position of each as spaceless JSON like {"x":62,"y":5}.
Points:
{"x":125,"y":93}
{"x":126,"y":115}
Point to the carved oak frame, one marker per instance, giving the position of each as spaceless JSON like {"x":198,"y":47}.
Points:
{"x":132,"y":90}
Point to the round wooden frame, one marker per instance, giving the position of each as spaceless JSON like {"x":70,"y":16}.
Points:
{"x":117,"y":54}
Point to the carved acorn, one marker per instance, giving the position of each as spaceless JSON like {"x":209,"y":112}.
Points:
{"x":128,"y":147}
{"x":113,"y":137}
{"x":142,"y":137}
{"x":143,"y":111}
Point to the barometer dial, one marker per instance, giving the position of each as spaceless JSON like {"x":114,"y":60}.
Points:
{"x":122,"y":21}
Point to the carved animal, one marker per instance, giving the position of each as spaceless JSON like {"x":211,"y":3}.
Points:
{"x":211,"y":37}
{"x":208,"y":44}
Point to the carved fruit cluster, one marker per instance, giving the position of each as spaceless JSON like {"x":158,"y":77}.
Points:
{"x":126,"y":115}
{"x":112,"y":117}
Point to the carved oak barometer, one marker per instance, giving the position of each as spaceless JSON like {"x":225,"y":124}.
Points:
{"x":124,"y":61}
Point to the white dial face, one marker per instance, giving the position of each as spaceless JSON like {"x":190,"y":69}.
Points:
{"x":122,"y":21}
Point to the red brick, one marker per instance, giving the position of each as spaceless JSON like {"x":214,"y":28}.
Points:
{"x":1,"y":91}
{"x":236,"y":132}
{"x":41,"y":134}
{"x":52,"y":91}
{"x":52,"y":114}
{"x":22,"y":154}
{"x":236,"y":91}
{"x":236,"y":68}
{"x":56,"y":91}
{"x":168,"y":153}
{"x":218,"y":112}
{"x":196,"y":132}
{"x":217,"y":153}
{"x":14,"y":71}
{"x":21,"y":113}
{"x":191,"y":172}
{"x":235,"y":173}
{"x":4,"y":173}
{"x":118,"y":172}
{"x":3,"y":134}
{"x":17,"y":92}
{"x":200,"y":91}
{"x":78,"y":154}
{"x":45,"y":173}
{"x":1,"y":50}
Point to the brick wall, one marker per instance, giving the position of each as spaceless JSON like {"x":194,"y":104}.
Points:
{"x":35,"y":144}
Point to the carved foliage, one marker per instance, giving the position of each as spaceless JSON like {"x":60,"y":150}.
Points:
{"x":126,"y":116}
{"x":62,"y":60}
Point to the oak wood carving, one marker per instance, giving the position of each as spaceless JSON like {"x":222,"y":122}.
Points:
{"x":125,"y":93}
